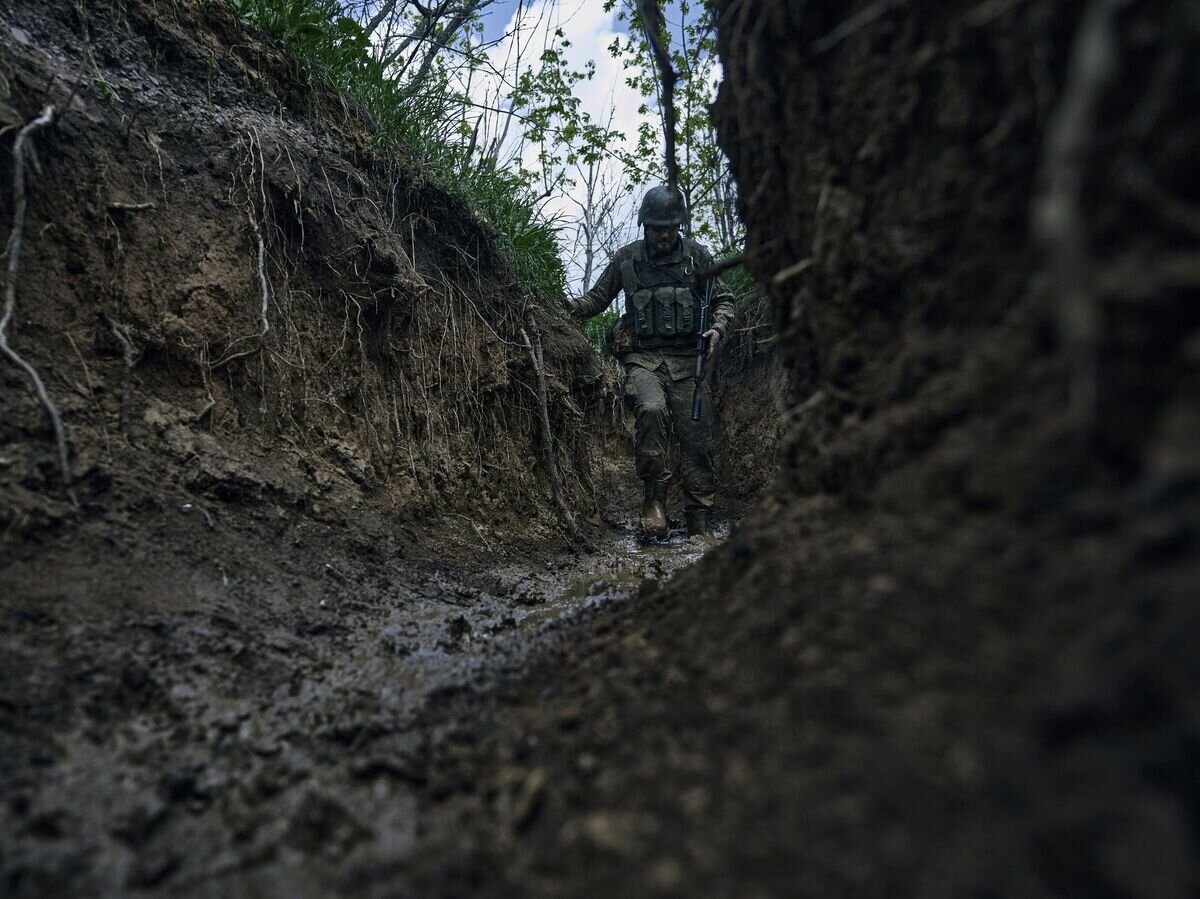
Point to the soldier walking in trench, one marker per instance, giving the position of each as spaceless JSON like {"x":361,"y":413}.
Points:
{"x":656,"y":341}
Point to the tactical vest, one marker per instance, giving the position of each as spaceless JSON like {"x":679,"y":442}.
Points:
{"x":662,"y":306}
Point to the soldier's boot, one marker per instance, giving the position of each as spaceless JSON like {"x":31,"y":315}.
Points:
{"x":654,"y":510}
{"x":697,"y":523}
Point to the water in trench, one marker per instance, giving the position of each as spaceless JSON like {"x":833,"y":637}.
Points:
{"x":446,"y":634}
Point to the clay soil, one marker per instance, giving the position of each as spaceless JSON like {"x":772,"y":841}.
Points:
{"x":277,"y":545}
{"x":311,"y":625}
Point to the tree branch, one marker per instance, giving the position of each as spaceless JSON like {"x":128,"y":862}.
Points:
{"x":652,"y":23}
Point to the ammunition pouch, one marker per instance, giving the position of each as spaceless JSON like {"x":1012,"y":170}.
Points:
{"x":661,"y":304}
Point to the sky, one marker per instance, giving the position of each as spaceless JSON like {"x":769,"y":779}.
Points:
{"x":591,"y":31}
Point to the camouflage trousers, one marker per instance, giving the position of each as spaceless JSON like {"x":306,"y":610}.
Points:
{"x":661,"y":400}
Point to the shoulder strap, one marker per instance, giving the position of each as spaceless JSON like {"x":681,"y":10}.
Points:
{"x":628,"y":279}
{"x":629,"y":282}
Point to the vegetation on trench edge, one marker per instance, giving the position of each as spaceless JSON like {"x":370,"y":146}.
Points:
{"x":329,"y":46}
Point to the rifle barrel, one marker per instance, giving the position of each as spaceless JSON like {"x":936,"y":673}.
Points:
{"x":701,"y":349}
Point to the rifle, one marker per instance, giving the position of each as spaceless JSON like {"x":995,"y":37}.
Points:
{"x":701,"y":348}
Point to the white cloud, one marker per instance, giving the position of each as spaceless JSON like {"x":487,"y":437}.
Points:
{"x":590,"y":31}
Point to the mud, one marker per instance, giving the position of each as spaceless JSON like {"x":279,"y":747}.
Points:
{"x":946,"y":654}
{"x":248,"y":720}
{"x":275,"y":548}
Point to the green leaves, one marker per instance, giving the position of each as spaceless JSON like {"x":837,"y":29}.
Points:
{"x":596,"y":327}
{"x":335,"y":48}
{"x":703,"y":171}
{"x":436,"y":112}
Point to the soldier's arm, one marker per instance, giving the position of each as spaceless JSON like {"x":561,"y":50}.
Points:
{"x":721,"y":309}
{"x":722,"y":312}
{"x":605,"y":290}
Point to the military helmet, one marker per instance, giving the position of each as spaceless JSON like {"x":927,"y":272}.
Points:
{"x":661,"y":207}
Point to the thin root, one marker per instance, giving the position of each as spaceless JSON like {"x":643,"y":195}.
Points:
{"x":535,"y":357}
{"x":130,"y":357}
{"x":10,"y":291}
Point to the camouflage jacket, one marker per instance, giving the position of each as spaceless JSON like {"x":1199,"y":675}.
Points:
{"x":610,"y":283}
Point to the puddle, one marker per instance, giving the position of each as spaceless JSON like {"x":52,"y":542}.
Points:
{"x":436,"y":632}
{"x":615,"y":574}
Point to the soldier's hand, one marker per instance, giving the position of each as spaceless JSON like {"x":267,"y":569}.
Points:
{"x":714,"y":337}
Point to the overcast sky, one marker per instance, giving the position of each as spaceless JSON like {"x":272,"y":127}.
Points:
{"x":591,"y":31}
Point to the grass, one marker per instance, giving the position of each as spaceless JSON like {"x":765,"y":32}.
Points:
{"x":330,"y":47}
{"x":595,"y":327}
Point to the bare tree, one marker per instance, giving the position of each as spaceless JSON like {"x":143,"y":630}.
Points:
{"x":598,"y":230}
{"x":410,"y":35}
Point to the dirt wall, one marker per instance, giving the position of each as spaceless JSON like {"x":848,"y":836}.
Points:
{"x":950,"y":205}
{"x":947,"y":654}
{"x":307,"y":316}
{"x":750,"y":389}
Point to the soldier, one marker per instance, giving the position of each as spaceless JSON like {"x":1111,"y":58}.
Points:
{"x":656,"y":341}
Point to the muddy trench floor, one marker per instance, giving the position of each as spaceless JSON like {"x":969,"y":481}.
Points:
{"x":201,"y":697}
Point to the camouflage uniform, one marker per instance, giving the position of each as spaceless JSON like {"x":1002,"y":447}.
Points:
{"x":661,"y":367}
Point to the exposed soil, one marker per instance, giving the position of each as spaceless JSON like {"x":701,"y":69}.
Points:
{"x":314,"y":628}
{"x":275,"y":548}
{"x":751,"y":392}
{"x":949,"y":653}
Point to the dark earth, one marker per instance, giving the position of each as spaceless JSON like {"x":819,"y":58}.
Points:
{"x":305,"y":620}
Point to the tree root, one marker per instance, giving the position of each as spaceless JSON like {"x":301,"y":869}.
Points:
{"x":206,"y":376}
{"x":130,"y":357}
{"x":262,"y":272}
{"x":535,"y":357}
{"x":855,"y":23}
{"x":10,"y":290}
{"x":1057,"y":212}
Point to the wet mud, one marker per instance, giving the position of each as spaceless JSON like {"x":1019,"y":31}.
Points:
{"x":313,"y":628}
{"x":278,"y":547}
{"x":257,"y":724}
{"x":946,"y":653}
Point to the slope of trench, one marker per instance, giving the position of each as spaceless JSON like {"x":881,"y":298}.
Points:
{"x":951,"y":652}
{"x":280,"y":545}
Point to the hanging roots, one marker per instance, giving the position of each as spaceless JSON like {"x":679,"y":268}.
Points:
{"x":534,"y":349}
{"x":10,"y":288}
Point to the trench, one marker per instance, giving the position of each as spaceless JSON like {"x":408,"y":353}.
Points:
{"x":286,"y":568}
{"x":290,"y":645}
{"x":198,"y":736}
{"x":457,"y":634}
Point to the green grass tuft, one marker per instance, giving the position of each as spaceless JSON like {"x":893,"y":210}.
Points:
{"x":331,"y":47}
{"x":594,"y":329}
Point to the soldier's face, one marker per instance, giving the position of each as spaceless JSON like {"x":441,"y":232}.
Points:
{"x":661,"y":240}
